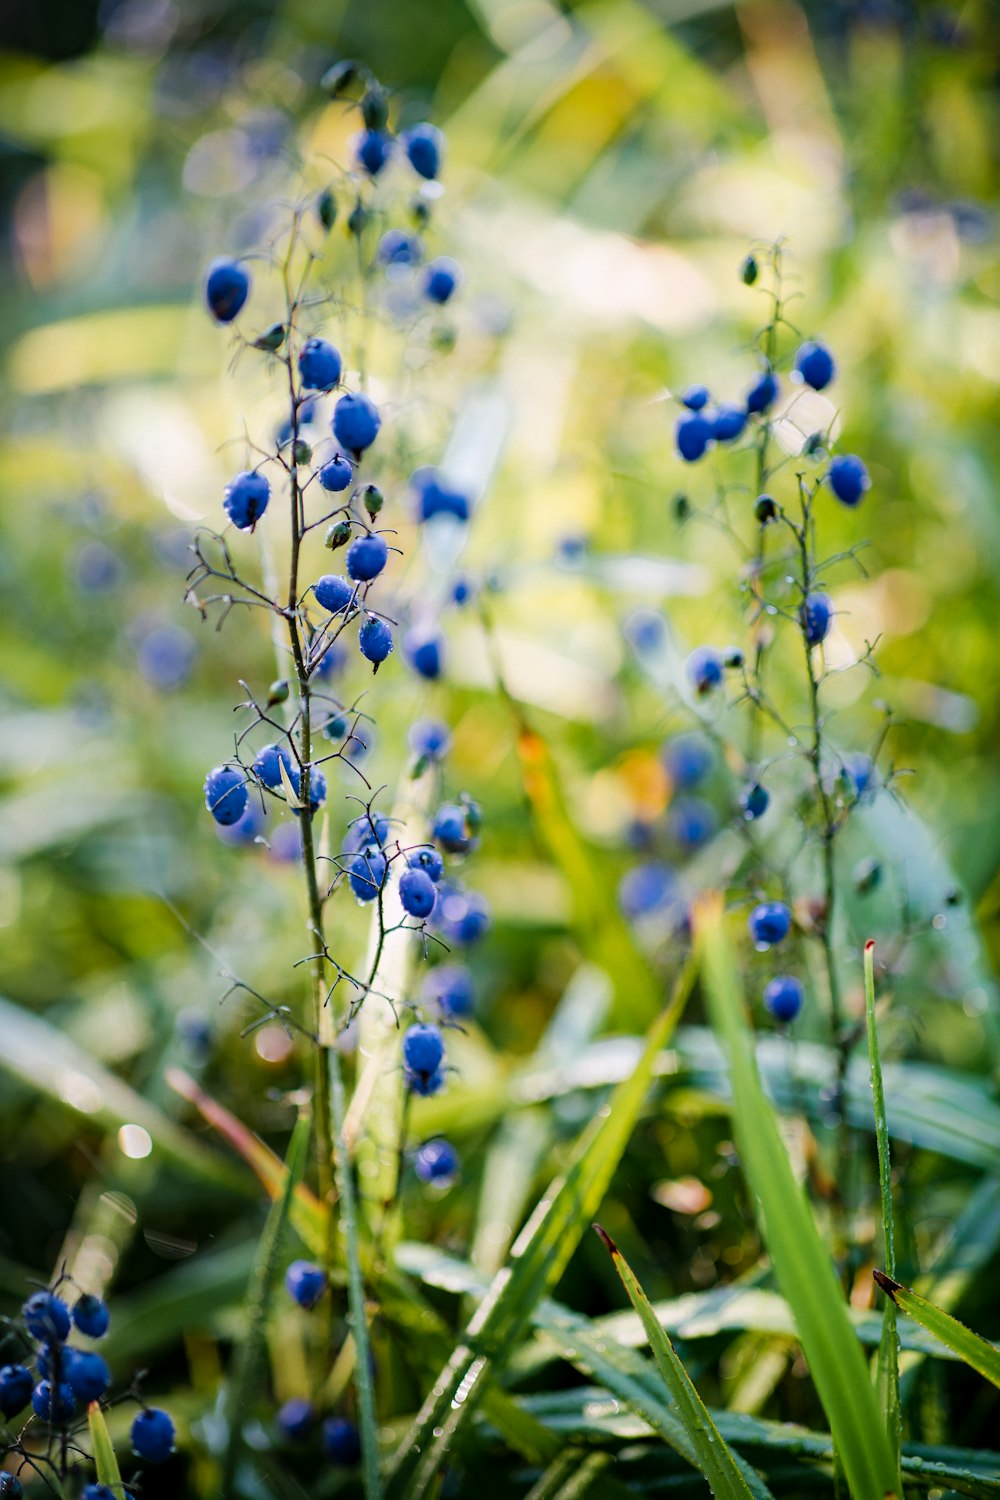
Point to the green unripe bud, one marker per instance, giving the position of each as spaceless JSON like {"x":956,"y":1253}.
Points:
{"x":443,"y":338}
{"x":357,"y":220}
{"x":867,"y":875}
{"x":420,"y":212}
{"x":337,"y":535}
{"x":375,"y":108}
{"x":301,"y":452}
{"x":277,"y":692}
{"x":272,"y":338}
{"x":682,"y":507}
{"x":749,"y":270}
{"x":326,"y":209}
{"x":337,"y":80}
{"x":766,"y":509}
{"x":372,"y":498}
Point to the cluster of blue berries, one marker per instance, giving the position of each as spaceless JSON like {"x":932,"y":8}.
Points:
{"x":57,"y":1381}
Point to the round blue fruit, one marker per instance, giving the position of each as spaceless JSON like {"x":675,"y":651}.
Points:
{"x":688,"y":758}
{"x":336,"y":474}
{"x":246,"y":499}
{"x":763,"y":393}
{"x":424,"y":1084}
{"x":728,"y":423}
{"x":442,"y":279}
{"x":375,"y":640}
{"x":153,"y":1435}
{"x":696,"y":397}
{"x":815,"y":616}
{"x":648,"y":888}
{"x":397,"y":248}
{"x":225,"y":795}
{"x":436,"y":1161}
{"x":53,"y":1403}
{"x":356,"y":422}
{"x":296,"y":1419}
{"x":11,"y":1487}
{"x":815,"y":365}
{"x":305,"y":1283}
{"x":91,"y":1316}
{"x":423,"y":1048}
{"x":99,"y":1492}
{"x":320,"y":365}
{"x":770,"y":923}
{"x":860,"y":772}
{"x":705,"y":669}
{"x":46,"y":1316}
{"x":227,"y":288}
{"x":450,"y":987}
{"x":427,"y":859}
{"x":370,"y":831}
{"x":693,"y":433}
{"x":848,"y":478}
{"x":333,"y":592}
{"x":423,"y":145}
{"x":429,"y":739}
{"x":317,"y":788}
{"x":754,"y":800}
{"x":366,"y":874}
{"x":367,"y":556}
{"x":87,"y":1375}
{"x":417,"y":893}
{"x":437,"y":497}
{"x":783,"y":997}
{"x":451,"y":828}
{"x":424,"y":650}
{"x":15,"y":1389}
{"x":267,"y":765}
{"x":372,"y":150}
{"x":692,"y":822}
{"x":341,"y":1442}
{"x":462,"y":917}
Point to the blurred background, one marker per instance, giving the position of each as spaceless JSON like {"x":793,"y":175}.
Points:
{"x":609,"y":165}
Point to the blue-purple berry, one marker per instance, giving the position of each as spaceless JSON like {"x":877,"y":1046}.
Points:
{"x":859,"y":769}
{"x":336,"y":474}
{"x":783,"y":997}
{"x":11,"y":1487}
{"x":15,"y":1389}
{"x":398,"y":248}
{"x":317,"y":788}
{"x":649,"y":887}
{"x":442,"y":278}
{"x":462,"y":917}
{"x":227,"y":288}
{"x":763,"y":393}
{"x":320,"y":365}
{"x":372,"y":150}
{"x":423,"y":1049}
{"x":90,"y":1315}
{"x":367,"y":556}
{"x":305,"y":1283}
{"x":417,"y":893}
{"x":696,"y":397}
{"x":848,"y":478}
{"x":691,"y":822}
{"x":341,"y":1442}
{"x":423,"y":146}
{"x":451,"y":828}
{"x":46,"y":1316}
{"x":333,"y":592}
{"x":87,"y":1375}
{"x":815,"y":365}
{"x":54,"y":1403}
{"x":429,"y":739}
{"x":99,"y":1492}
{"x":688,"y":758}
{"x":423,"y":648}
{"x":728,"y":423}
{"x":769,"y":923}
{"x":705,"y":669}
{"x":295,"y":1419}
{"x":436,"y":1161}
{"x":754,"y":800}
{"x":375,"y":641}
{"x":371,"y":830}
{"x":815,"y":617}
{"x":226,"y":794}
{"x":153,"y":1435}
{"x":427,"y":859}
{"x":424,"y":1084}
{"x":267,"y":765}
{"x":356,"y":422}
{"x":246,"y":499}
{"x":450,"y":988}
{"x":693,"y":433}
{"x":366,"y":874}
{"x":437,"y":497}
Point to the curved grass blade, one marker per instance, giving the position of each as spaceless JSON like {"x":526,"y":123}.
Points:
{"x":49,"y":1061}
{"x":539,"y":1257}
{"x":970,"y":1348}
{"x":258,"y":1299}
{"x":887,"y":1360}
{"x":103,"y":1449}
{"x":574,"y":1473}
{"x":713,"y":1456}
{"x":801,"y":1260}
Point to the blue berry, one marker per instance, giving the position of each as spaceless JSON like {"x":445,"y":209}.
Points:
{"x":688,"y":759}
{"x":645,"y":631}
{"x":46,"y":1316}
{"x":428,"y":860}
{"x":462,"y":917}
{"x":336,"y":726}
{"x":227,"y":288}
{"x":296,"y":1419}
{"x":423,"y":146}
{"x":783,"y":998}
{"x":317,"y":789}
{"x":763,"y":393}
{"x":341,"y":1442}
{"x":754,"y":800}
{"x":98,"y":1492}
{"x":333,"y":592}
{"x":429,"y":739}
{"x":367,"y":556}
{"x":450,"y":988}
{"x":53,"y":1403}
{"x":769,"y":923}
{"x":647,"y":888}
{"x":375,"y":640}
{"x":860,"y":772}
{"x":90,"y":1315}
{"x":366,"y":874}
{"x":696,"y":397}
{"x":305,"y":1283}
{"x":451,"y":828}
{"x":372,"y":150}
{"x":225,"y":794}
{"x":436,"y":1161}
{"x":814,"y":363}
{"x":397,"y":248}
{"x":336,"y":474}
{"x":693,"y":433}
{"x":691,"y":821}
{"x":423,"y":1048}
{"x":728,"y":423}
{"x":320,"y":365}
{"x":848,"y":478}
{"x":442,"y":278}
{"x":424,"y":1084}
{"x":15,"y":1389}
{"x":704,"y":668}
{"x":246,"y":499}
{"x":11,"y":1488}
{"x":436,"y":497}
{"x":334,"y":659}
{"x":87,"y":1375}
{"x":815,"y":615}
{"x":247,"y":827}
{"x":423,"y":649}
{"x":368,"y":831}
{"x":153,"y":1435}
{"x":267,"y":765}
{"x":356,"y":422}
{"x":417,"y":893}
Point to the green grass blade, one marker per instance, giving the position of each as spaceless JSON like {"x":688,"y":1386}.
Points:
{"x":887,"y":1359}
{"x":572,"y":1474}
{"x":53,"y":1064}
{"x":539,"y":1257}
{"x":801,"y":1261}
{"x":258,"y":1300}
{"x":970,"y":1348}
{"x":714,"y":1458}
{"x":103,"y":1450}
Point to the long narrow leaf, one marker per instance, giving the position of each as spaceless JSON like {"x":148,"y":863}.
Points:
{"x":714,"y":1458}
{"x":969,"y":1347}
{"x":801,"y":1260}
{"x":539,"y":1257}
{"x":103,"y":1450}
